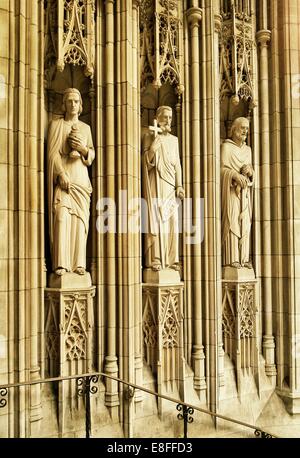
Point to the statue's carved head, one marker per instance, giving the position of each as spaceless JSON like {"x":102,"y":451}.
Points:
{"x":239,"y":129}
{"x":164,"y":117}
{"x":68,"y":93}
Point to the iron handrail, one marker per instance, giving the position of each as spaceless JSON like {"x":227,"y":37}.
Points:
{"x":138,"y":387}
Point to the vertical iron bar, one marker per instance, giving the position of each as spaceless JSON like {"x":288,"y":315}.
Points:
{"x":84,"y":389}
{"x":185,"y":414}
{"x":87,"y":408}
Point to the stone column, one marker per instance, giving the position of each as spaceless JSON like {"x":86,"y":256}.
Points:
{"x":99,"y":187}
{"x":127,"y":181}
{"x":22,"y":254}
{"x":194,"y":17}
{"x":34,"y":189}
{"x":217,"y":30}
{"x":9,"y":314}
{"x":286,"y":141}
{"x":263,"y":38}
{"x":111,"y":364}
{"x":211,"y":277}
{"x":136,"y":193}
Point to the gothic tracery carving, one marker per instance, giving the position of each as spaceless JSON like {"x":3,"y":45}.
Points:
{"x":70,"y":34}
{"x":52,"y":329}
{"x":228,"y":315}
{"x":162,"y":321}
{"x":246,"y":311}
{"x":169,"y":318}
{"x":75,"y":327}
{"x":236,"y":52}
{"x":149,"y":321}
{"x":242,"y":8}
{"x":160,"y":54}
{"x":239,"y":325}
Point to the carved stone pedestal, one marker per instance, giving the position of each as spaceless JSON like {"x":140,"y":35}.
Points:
{"x":68,"y":335}
{"x":163,"y":330}
{"x":239,"y":322}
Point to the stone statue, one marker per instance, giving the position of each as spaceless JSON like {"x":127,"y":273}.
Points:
{"x":236,"y":180}
{"x":162,"y":185}
{"x":70,"y":152}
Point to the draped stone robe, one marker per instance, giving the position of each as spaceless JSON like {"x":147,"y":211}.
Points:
{"x":162,"y":175}
{"x":68,"y":211}
{"x":236,"y":206}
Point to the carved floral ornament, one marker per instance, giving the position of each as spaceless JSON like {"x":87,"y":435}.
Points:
{"x":70,"y":29}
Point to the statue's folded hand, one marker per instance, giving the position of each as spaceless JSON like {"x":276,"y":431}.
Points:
{"x":79,"y":145}
{"x":240,"y":180}
{"x":180,"y":193}
{"x":64,"y":182}
{"x":247,"y":170}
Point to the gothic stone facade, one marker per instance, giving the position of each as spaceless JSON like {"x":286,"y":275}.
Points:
{"x":214,"y":341}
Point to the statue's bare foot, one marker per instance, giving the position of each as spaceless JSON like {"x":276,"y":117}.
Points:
{"x":156,"y":267}
{"x":248,"y":265}
{"x":175,"y":267}
{"x":60,"y":271}
{"x":80,"y":270}
{"x":237,"y":265}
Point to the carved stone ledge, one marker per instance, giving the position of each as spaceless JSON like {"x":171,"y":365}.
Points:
{"x":194,"y":16}
{"x":69,"y":279}
{"x":242,"y":274}
{"x":263,"y":37}
{"x":291,"y":399}
{"x":161,"y":277}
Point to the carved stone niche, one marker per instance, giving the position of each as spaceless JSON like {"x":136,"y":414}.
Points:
{"x":69,"y":50}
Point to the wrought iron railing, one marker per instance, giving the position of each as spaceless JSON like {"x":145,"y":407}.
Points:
{"x":86,"y":386}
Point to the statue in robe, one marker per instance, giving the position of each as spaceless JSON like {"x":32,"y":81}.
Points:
{"x":237,"y":176}
{"x":70,"y":153}
{"x":162,"y":183}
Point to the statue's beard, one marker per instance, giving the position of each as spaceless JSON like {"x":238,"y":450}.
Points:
{"x":166,"y":129}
